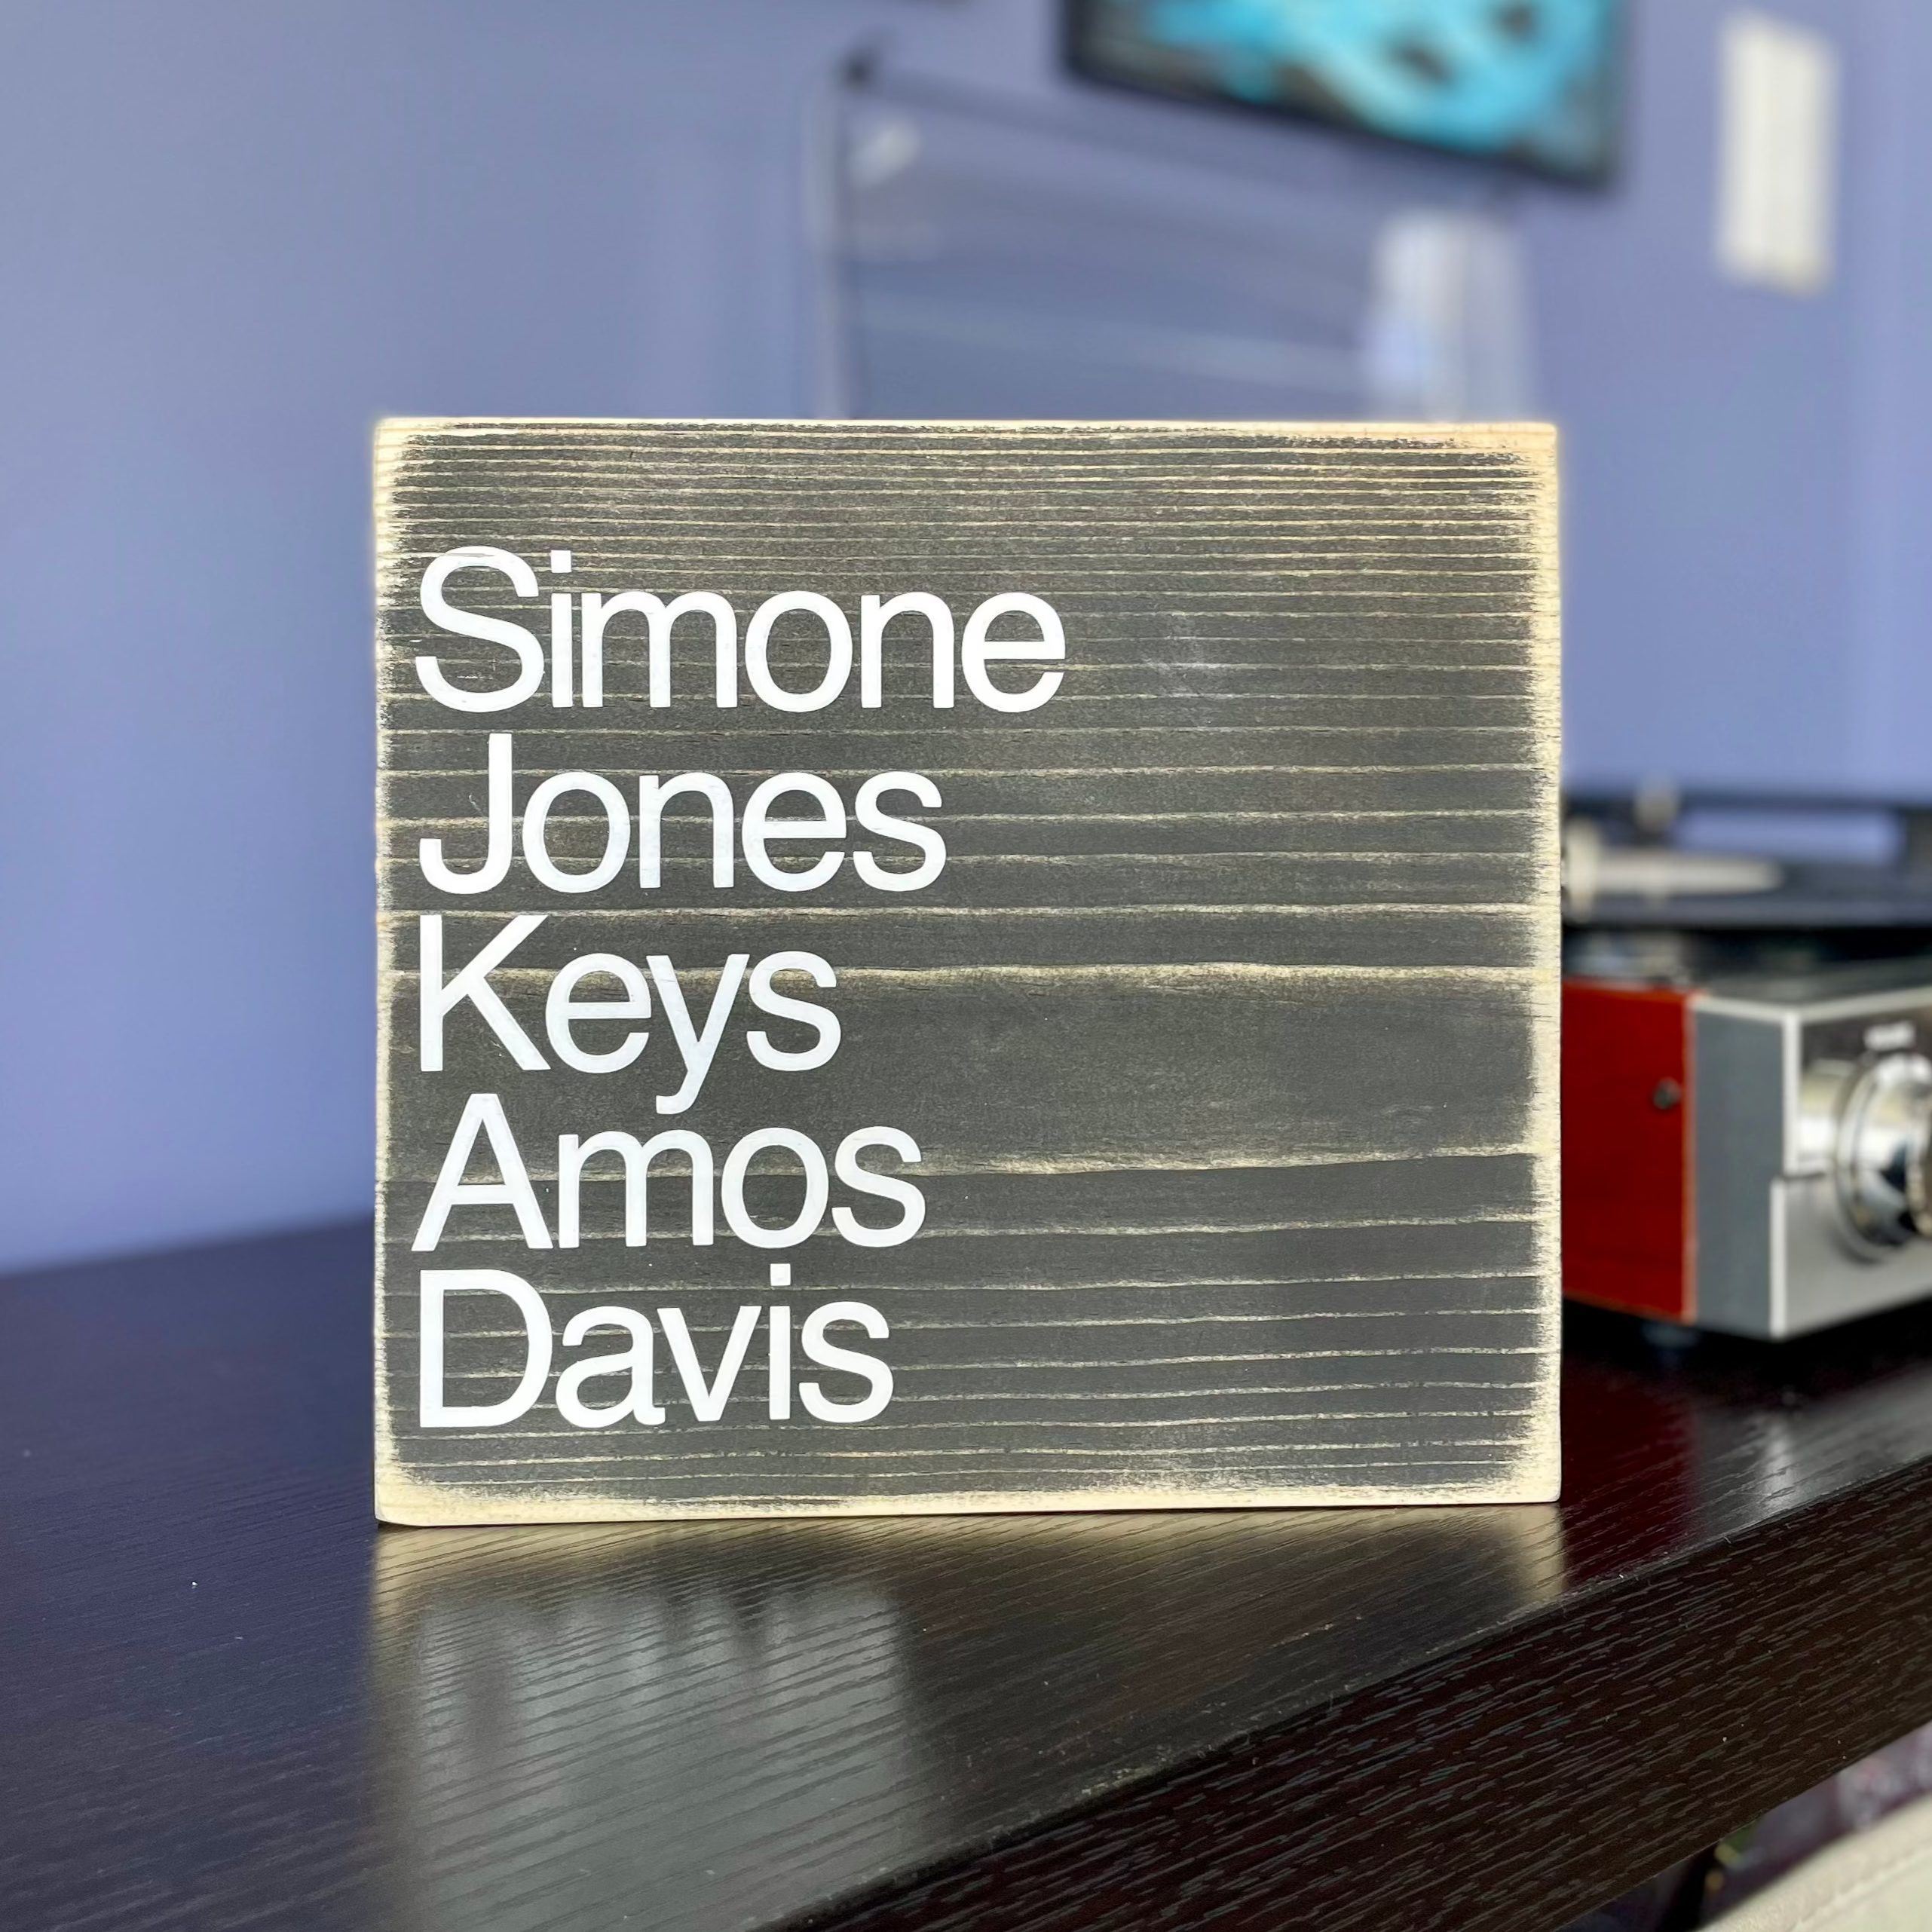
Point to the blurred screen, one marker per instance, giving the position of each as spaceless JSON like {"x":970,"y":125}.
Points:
{"x":1529,"y":82}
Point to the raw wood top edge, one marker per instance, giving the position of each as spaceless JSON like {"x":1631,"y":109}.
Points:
{"x":1529,"y":438}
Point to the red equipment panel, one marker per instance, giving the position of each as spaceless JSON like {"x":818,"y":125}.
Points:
{"x":1629,"y":1237}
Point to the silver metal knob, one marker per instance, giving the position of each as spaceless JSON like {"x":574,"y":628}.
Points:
{"x":1882,"y":1153}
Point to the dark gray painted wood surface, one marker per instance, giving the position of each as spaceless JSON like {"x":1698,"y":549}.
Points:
{"x":1226,"y":1033}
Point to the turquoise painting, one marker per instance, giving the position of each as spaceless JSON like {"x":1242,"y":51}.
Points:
{"x":1529,"y":82}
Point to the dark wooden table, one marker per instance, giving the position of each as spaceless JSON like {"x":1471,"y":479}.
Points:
{"x":227,"y":1700}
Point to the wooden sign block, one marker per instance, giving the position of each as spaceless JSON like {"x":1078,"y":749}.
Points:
{"x":965,"y":967}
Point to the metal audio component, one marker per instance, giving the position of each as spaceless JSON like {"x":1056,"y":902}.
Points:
{"x":1752,"y":1154}
{"x":1881,"y":1145}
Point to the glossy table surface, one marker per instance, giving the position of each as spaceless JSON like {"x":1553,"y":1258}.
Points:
{"x":227,"y":1699}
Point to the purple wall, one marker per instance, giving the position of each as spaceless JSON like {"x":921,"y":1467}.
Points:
{"x":234,"y":235}
{"x":1711,"y":448}
{"x":1890,"y":244}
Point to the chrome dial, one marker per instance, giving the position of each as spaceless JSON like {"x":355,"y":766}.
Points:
{"x":1881,"y":1155}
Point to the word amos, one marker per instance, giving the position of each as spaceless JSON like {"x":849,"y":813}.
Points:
{"x":484,"y":1119}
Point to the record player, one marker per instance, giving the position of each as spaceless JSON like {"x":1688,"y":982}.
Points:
{"x":1662,"y":882}
{"x":1747,"y":1057}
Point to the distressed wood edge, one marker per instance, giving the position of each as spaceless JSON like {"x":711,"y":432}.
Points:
{"x":387,"y":928}
{"x":1539,"y":448}
{"x":403,"y":1498}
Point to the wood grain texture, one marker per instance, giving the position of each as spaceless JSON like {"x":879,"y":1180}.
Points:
{"x":1226,"y":1034}
{"x":232,"y":1702}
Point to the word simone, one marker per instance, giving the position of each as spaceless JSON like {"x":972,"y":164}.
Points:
{"x":580,"y":632}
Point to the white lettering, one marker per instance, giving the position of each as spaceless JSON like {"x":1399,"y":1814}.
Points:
{"x":661,"y":617}
{"x":435,"y":999}
{"x":653,"y":793}
{"x":467,"y":624}
{"x":865,"y":810}
{"x":782,"y":1006}
{"x":886,"y":1186}
{"x":572,"y":1155}
{"x":560,"y":667}
{"x":635,"y":1360}
{"x":778,"y":1364}
{"x":812,"y":1339}
{"x":560,"y":1011}
{"x":536,"y":828}
{"x":758,"y":827}
{"x":731,"y":1189}
{"x":874,"y":615}
{"x":482,"y":1113}
{"x":433,"y":1412}
{"x":708,"y":1401}
{"x":838,"y":651}
{"x":495,"y":867}
{"x":977,"y":650}
{"x":698,"y":1049}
